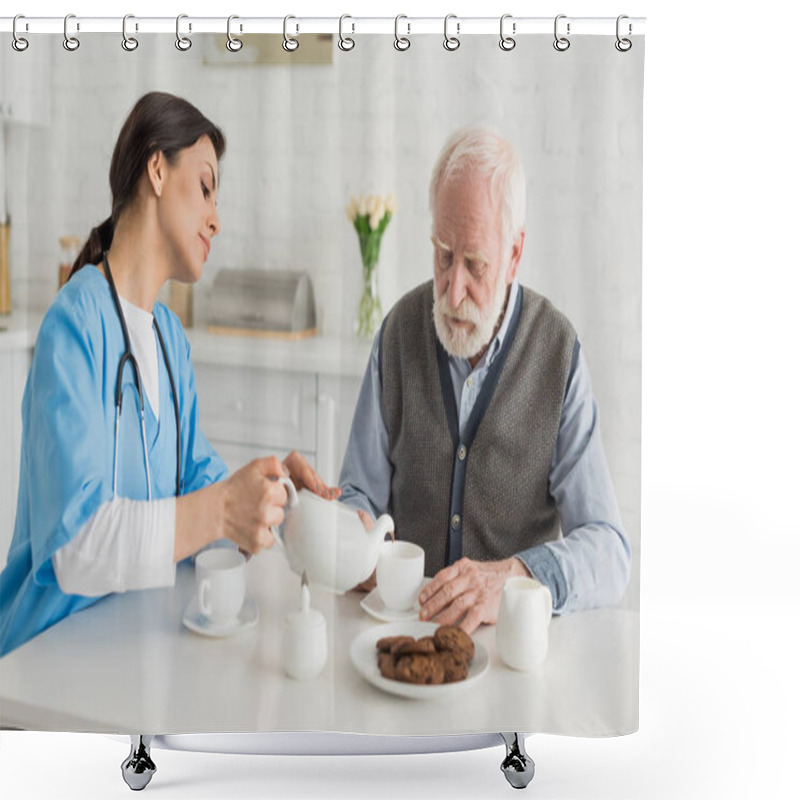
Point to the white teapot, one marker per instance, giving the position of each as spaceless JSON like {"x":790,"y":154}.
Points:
{"x":522,"y":623}
{"x":327,"y":540}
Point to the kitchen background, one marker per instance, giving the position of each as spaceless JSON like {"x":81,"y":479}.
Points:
{"x":303,"y":138}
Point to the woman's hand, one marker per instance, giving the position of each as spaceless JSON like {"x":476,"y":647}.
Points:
{"x":304,"y":476}
{"x":253,"y":503}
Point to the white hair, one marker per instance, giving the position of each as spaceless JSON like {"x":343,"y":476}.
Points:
{"x":488,"y":154}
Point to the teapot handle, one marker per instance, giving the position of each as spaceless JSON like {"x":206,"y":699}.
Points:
{"x":290,"y":490}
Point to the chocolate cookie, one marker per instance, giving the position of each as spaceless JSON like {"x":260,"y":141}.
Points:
{"x":386,"y":644}
{"x":454,"y":663}
{"x":423,"y":646}
{"x":386,"y":665}
{"x":451,"y":637}
{"x":420,"y":669}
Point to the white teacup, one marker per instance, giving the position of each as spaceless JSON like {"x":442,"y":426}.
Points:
{"x":401,"y":568}
{"x":220,"y":582}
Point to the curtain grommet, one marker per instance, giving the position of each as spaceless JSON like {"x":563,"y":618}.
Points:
{"x":19,"y":43}
{"x":507,"y":43}
{"x":70,"y":43}
{"x":233,"y":44}
{"x":623,"y":44}
{"x":183,"y":43}
{"x":346,"y":43}
{"x":290,"y":43}
{"x":451,"y":43}
{"x":129,"y":43}
{"x":401,"y":43}
{"x":561,"y":43}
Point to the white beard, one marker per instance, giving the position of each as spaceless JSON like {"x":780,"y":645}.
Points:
{"x":468,"y":341}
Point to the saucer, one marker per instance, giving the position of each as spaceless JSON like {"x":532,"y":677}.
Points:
{"x":199,"y":623}
{"x":375,"y":607}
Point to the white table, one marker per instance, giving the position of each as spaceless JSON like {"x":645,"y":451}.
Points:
{"x":127,"y":665}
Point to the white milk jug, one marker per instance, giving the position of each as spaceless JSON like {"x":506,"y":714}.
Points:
{"x":522,"y":623}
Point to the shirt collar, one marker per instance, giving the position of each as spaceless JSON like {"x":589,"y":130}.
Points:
{"x":140,"y":316}
{"x":496,"y":344}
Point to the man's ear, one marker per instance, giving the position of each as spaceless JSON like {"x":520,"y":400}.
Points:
{"x":516,"y":255}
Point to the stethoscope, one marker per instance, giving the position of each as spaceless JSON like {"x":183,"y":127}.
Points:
{"x":127,"y":357}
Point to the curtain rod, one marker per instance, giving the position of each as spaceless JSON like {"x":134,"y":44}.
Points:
{"x":349,"y":25}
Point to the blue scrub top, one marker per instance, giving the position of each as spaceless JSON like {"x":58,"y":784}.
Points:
{"x":66,"y":463}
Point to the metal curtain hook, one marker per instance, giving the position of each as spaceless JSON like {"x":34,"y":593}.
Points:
{"x":623,"y":45}
{"x":129,"y":43}
{"x":290,"y":44}
{"x":451,"y":42}
{"x":70,"y":43}
{"x":507,"y":42}
{"x":346,"y":42}
{"x":233,"y":44}
{"x":183,"y":43}
{"x":18,"y":43}
{"x":561,"y":43}
{"x":401,"y":42}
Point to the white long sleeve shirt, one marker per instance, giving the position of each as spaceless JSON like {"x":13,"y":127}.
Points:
{"x":127,"y":544}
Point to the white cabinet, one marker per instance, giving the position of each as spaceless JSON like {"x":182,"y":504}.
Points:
{"x":247,"y":413}
{"x":14,"y":364}
{"x":258,"y":398}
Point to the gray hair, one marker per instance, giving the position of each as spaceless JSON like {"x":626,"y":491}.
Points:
{"x":493,"y":157}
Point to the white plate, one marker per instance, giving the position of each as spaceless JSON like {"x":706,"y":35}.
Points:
{"x":365,"y":659}
{"x":374,"y":606}
{"x":197,"y":622}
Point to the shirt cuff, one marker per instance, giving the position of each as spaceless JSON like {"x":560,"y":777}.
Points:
{"x":543,"y":566}
{"x":354,"y":498}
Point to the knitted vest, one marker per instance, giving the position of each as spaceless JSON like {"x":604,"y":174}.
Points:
{"x":485,"y":496}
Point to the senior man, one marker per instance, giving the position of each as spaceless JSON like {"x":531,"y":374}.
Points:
{"x":476,"y":426}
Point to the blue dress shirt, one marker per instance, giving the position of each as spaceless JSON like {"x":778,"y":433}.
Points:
{"x":590,"y":565}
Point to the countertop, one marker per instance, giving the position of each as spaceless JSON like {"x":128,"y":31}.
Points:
{"x":18,"y":330}
{"x":126,"y":664}
{"x":326,"y":355}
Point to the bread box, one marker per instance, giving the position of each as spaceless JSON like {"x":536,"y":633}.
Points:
{"x":257,"y":302}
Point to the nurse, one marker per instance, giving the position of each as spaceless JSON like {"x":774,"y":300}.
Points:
{"x":100,"y":511}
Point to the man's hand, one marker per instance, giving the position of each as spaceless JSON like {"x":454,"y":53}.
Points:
{"x":468,"y":593}
{"x":370,"y":583}
{"x":304,"y":476}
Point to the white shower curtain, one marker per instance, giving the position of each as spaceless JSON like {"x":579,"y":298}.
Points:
{"x":303,"y":138}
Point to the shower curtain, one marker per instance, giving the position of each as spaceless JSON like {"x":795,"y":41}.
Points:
{"x":321,"y":141}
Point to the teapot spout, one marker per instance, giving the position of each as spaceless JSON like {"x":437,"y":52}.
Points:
{"x":383,"y":525}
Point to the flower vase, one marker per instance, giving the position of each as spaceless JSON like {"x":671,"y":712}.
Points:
{"x":370,"y":312}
